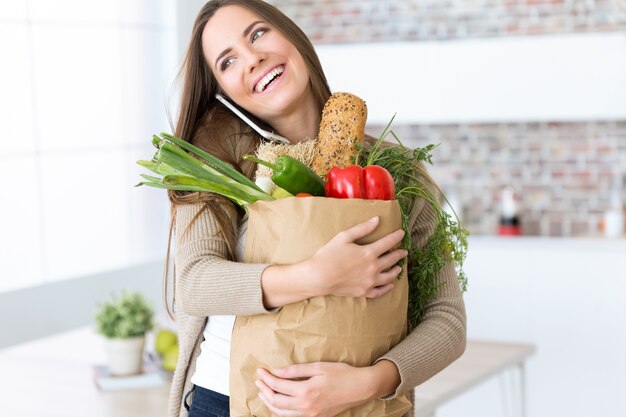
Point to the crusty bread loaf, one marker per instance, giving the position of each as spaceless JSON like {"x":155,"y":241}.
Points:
{"x":341,"y":128}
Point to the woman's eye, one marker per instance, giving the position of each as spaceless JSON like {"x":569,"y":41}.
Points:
{"x":257,"y":34}
{"x":226,"y":63}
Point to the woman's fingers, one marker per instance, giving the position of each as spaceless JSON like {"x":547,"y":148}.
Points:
{"x":325,"y":389}
{"x":390,"y":259}
{"x":379,"y":291}
{"x":277,"y":411}
{"x":300,"y":371}
{"x":275,"y":400}
{"x":385,"y":282}
{"x":283,"y":394}
{"x":360,"y":230}
{"x":278,"y":384}
{"x":345,"y":268}
{"x":387,"y":242}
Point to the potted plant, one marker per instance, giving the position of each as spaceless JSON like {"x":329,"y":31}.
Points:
{"x":124,"y":322}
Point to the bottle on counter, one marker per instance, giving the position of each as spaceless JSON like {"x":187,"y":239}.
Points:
{"x":509,"y":217}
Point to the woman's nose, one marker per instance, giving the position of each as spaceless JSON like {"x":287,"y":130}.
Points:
{"x":253,"y":58}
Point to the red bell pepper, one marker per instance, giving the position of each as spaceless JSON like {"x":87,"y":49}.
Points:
{"x":372,"y":183}
{"x":378,"y":183}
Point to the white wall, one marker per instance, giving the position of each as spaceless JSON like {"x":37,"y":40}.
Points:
{"x":84,"y":86}
{"x":186,"y":12}
{"x":48,"y":309}
{"x":564,"y":77}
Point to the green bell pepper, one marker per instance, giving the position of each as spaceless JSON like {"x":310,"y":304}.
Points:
{"x":292,"y":175}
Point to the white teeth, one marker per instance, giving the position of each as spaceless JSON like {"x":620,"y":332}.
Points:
{"x":260,"y":87}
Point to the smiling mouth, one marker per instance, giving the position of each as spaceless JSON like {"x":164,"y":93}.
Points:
{"x":269,"y":78}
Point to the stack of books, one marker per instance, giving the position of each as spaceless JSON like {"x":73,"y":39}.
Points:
{"x":151,"y":376}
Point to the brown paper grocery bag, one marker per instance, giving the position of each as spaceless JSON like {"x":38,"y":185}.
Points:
{"x":339,"y":329}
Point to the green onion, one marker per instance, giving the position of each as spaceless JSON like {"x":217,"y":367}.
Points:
{"x":184,"y":167}
{"x":214,"y":162}
{"x":158,"y":167}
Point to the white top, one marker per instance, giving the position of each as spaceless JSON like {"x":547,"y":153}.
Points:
{"x":213,"y":364}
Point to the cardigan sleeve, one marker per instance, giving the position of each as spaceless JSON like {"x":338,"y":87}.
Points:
{"x":207,"y":283}
{"x":440,"y":337}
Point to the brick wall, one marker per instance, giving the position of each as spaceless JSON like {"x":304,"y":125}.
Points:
{"x":329,"y":21}
{"x":562,"y":171}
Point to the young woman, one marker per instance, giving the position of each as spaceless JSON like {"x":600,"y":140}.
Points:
{"x":254,"y":55}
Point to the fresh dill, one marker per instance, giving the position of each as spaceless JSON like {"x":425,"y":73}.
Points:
{"x":448,"y":241}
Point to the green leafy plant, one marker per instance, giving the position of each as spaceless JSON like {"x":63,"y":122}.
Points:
{"x":447,"y":243}
{"x":127,"y":316}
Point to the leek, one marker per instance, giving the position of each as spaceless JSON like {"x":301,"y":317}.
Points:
{"x":184,"y":167}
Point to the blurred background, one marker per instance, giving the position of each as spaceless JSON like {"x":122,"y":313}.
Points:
{"x":526,"y":100}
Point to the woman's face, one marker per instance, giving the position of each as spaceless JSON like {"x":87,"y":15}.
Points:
{"x":254,"y":64}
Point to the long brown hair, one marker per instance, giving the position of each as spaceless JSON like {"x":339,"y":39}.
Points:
{"x":208,"y":125}
{"x":199,"y":83}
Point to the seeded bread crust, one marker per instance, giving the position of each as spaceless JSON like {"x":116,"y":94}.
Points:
{"x":341,"y":128}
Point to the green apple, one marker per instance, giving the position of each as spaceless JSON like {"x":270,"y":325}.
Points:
{"x":170,"y":358}
{"x":164,"y":340}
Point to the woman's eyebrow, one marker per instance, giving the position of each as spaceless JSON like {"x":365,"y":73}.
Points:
{"x":245,"y":33}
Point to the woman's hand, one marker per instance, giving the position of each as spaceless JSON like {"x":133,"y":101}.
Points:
{"x":324,"y":389}
{"x":341,"y":267}
{"x":345,"y":268}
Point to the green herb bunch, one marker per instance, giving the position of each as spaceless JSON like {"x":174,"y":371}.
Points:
{"x":124,"y":317}
{"x":447,"y":243}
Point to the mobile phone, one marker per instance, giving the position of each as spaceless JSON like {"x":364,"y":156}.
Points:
{"x":263,"y":133}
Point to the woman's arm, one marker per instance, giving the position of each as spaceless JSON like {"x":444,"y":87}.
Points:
{"x":440,"y":337}
{"x":207,"y":283}
{"x":324,"y":389}
{"x":341,"y":267}
{"x":330,"y":388}
{"x":436,"y":342}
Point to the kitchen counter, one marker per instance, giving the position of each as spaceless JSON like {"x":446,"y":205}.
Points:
{"x":566,"y":296}
{"x":543,"y":241}
{"x":54,"y":377}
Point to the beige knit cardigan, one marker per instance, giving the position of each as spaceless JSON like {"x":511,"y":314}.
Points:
{"x":207,"y":284}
